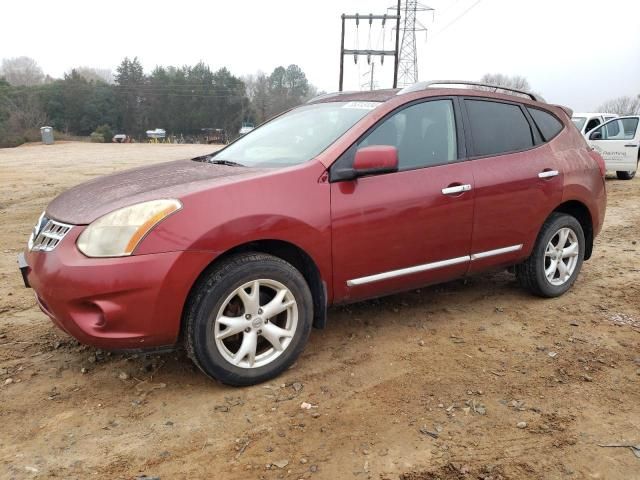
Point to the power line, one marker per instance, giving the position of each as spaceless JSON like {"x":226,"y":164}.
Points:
{"x":456,"y":19}
{"x":141,"y":90}
{"x":369,"y":52}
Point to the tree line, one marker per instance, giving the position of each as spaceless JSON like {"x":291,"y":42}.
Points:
{"x":625,"y":105}
{"x":183,"y":100}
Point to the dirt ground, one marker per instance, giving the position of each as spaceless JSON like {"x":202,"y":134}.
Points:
{"x":428,"y":384}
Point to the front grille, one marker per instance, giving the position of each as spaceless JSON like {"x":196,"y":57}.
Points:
{"x":47,"y":238}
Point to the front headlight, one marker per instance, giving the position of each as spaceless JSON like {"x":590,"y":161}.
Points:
{"x":117,"y":234}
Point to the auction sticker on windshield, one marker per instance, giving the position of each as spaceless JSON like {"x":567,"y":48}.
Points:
{"x":361,"y":105}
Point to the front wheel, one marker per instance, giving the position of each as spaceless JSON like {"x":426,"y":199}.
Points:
{"x":249,"y":319}
{"x":556,"y":259}
{"x":625,"y":175}
{"x":622,"y":175}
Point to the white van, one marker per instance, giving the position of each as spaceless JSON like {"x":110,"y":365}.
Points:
{"x":618,"y":141}
{"x":585,"y":122}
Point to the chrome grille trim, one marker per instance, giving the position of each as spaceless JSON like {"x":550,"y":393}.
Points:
{"x":49,"y":237}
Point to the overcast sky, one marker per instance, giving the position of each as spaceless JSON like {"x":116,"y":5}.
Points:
{"x":574,"y":52}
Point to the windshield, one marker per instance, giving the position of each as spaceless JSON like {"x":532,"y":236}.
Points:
{"x":579,"y":122}
{"x":296,"y":136}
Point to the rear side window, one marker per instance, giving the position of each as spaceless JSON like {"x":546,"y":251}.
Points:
{"x":498,"y":127}
{"x":579,"y":122}
{"x":548,"y":125}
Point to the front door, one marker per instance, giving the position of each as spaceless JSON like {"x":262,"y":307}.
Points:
{"x":617,"y":141}
{"x":396,"y":231}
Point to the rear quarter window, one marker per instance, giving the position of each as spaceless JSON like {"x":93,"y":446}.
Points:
{"x":548,"y":125}
{"x":498,"y":127}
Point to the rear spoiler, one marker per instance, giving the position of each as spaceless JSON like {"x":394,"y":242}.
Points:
{"x":566,"y":110}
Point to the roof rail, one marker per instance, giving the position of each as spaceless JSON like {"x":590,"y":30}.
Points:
{"x":324,"y":96}
{"x":424,"y":85}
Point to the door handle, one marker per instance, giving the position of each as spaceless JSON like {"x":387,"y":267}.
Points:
{"x":456,"y":189}
{"x":548,"y":174}
{"x":632,"y":145}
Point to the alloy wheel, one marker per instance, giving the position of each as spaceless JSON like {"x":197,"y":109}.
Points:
{"x":561,"y":256}
{"x":256,"y":323}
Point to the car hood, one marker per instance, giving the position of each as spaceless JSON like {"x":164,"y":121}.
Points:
{"x":84,"y":203}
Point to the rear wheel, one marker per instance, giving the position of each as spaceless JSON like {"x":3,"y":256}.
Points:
{"x":556,"y":259}
{"x":249,"y":319}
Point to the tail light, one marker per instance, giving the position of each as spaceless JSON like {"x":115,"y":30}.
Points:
{"x":600,"y":161}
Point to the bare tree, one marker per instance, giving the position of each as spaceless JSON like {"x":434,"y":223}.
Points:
{"x":21,"y":71}
{"x":24,"y":113}
{"x":259,"y":95}
{"x":622,"y":106}
{"x":95,"y":74}
{"x":510,"y":81}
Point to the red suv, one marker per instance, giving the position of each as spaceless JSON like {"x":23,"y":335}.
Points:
{"x":352,"y":196}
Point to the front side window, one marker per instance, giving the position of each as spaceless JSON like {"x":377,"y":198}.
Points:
{"x":295,"y":137}
{"x":498,"y":127}
{"x":548,"y":125}
{"x":424,"y":134}
{"x":591,"y":124}
{"x":620,"y":129}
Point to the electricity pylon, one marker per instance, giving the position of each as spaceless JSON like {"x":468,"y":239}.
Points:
{"x":408,"y":58}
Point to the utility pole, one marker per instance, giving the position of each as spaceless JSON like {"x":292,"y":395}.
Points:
{"x":408,"y":56}
{"x":369,"y":52}
{"x":397,"y":57}
{"x":371,"y":79}
{"x":342,"y":54}
{"x":369,"y":83}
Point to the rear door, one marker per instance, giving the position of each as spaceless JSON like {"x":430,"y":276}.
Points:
{"x":617,"y":141}
{"x":518,"y":179}
{"x":400,"y":230}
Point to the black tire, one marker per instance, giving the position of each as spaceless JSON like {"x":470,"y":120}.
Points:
{"x":622,"y":175}
{"x":208,"y":298}
{"x":531,"y":273}
{"x":625,"y":175}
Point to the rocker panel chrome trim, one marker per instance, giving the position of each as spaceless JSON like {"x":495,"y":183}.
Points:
{"x":497,"y":251}
{"x":407,"y":271}
{"x":430,"y":266}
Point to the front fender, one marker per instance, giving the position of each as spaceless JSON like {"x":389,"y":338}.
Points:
{"x":291,"y":206}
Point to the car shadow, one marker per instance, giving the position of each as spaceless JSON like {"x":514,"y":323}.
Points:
{"x":144,"y":373}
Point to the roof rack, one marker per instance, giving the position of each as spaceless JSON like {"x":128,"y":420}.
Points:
{"x":424,"y":85}
{"x":324,"y":96}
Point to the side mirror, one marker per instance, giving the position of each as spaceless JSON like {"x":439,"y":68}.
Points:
{"x":372,"y":160}
{"x":597,"y":135}
{"x":376,"y":159}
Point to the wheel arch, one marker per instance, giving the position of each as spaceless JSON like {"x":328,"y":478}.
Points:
{"x":287,"y":251}
{"x":580,"y":212}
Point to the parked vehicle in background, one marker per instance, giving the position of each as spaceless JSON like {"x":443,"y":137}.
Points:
{"x":618,"y":142}
{"x":215,"y":136}
{"x":246,"y":128}
{"x":351,"y":196}
{"x":585,"y":122}
{"x":156,"y":135}
{"x":121,"y":138}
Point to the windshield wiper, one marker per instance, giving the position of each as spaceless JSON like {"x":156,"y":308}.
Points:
{"x":228,"y":163}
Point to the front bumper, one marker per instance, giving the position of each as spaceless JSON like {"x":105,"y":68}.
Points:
{"x":114,"y":303}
